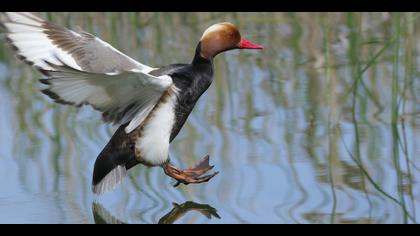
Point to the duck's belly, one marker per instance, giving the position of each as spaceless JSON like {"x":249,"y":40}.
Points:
{"x":152,"y":147}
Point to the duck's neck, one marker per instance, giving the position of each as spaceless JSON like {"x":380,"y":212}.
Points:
{"x":199,"y":58}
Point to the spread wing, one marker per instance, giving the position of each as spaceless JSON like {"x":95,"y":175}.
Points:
{"x":36,"y":40}
{"x":83,"y":69}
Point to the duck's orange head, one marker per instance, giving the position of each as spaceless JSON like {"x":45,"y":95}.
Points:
{"x":222,"y":37}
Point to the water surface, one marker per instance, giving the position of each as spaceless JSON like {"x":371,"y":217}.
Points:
{"x":322,"y":126}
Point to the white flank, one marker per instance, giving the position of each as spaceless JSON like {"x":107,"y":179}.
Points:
{"x":110,"y":181}
{"x":153,"y":145}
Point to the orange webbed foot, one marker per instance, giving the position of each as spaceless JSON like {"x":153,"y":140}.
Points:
{"x":191,"y":175}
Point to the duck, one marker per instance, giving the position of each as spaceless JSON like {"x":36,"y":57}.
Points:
{"x":148,"y":105}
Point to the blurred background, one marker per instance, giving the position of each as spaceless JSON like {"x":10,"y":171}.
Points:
{"x":322,"y":126}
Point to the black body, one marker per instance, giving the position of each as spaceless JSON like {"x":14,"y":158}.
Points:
{"x":192,"y":80}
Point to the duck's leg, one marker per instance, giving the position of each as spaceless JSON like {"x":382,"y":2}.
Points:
{"x":191,"y":175}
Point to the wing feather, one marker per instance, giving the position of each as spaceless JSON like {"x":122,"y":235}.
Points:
{"x":37,"y":40}
{"x":81,"y":69}
{"x":123,"y":97}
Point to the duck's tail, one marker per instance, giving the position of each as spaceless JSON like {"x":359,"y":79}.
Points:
{"x":102,"y":182}
{"x":111,"y":165}
{"x":110,"y":169}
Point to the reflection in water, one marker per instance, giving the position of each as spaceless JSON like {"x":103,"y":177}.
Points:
{"x":102,"y":215}
{"x":322,"y":126}
{"x":180,"y":210}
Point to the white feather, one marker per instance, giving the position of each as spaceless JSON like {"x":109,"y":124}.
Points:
{"x":112,"y":179}
{"x":143,"y":68}
{"x":153,"y":145}
{"x":165,"y":81}
{"x":25,"y":33}
{"x":22,"y":28}
{"x":110,"y":93}
{"x":124,"y":96}
{"x":24,"y":18}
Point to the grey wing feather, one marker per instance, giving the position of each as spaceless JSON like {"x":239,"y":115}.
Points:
{"x":83,"y":69}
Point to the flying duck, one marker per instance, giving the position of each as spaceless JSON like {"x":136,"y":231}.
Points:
{"x":150,"y":105}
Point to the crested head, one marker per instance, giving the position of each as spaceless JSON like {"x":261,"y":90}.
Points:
{"x":222,"y":37}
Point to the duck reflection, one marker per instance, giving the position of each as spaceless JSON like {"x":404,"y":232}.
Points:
{"x":180,"y":210}
{"x":102,"y":216}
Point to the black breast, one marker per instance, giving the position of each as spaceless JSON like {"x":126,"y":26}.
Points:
{"x":192,"y":81}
